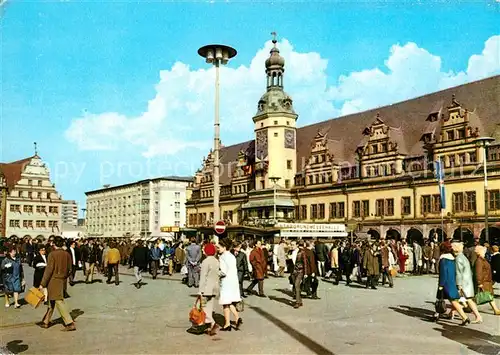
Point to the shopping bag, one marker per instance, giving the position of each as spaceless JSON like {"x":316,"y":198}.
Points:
{"x":197,"y":315}
{"x":34,"y":297}
{"x":483,"y":297}
{"x":184,"y":270}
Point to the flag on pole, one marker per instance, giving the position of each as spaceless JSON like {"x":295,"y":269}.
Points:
{"x":440,"y":177}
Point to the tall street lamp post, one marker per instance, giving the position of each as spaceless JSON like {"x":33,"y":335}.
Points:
{"x":216,"y":54}
{"x":274,"y":180}
{"x":484,"y":142}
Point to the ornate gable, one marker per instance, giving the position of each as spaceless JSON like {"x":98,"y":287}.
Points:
{"x":380,"y":139}
{"x":458,"y":123}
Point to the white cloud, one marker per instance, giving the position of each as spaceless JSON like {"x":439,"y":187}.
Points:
{"x":410,"y":71}
{"x":180,"y":116}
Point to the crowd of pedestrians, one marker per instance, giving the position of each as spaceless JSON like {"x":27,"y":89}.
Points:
{"x":219,"y":272}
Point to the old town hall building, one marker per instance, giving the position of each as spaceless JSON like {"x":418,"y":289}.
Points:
{"x":373,"y":171}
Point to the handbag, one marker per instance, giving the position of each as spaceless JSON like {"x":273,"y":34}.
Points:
{"x":197,"y":315}
{"x":483,"y":297}
{"x":240,"y":306}
{"x":34,"y":297}
{"x":440,"y":304}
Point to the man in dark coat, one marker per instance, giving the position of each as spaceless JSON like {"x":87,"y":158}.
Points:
{"x":311,"y":284}
{"x":259,"y":267}
{"x":321,"y":251}
{"x":139,"y":258}
{"x":301,"y":269}
{"x":346,"y":261}
{"x":90,"y":257}
{"x":54,"y":278}
{"x":75,"y":254}
{"x":241,"y":266}
{"x":371,"y":265}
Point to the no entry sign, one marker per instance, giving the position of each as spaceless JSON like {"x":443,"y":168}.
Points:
{"x":220,"y":227}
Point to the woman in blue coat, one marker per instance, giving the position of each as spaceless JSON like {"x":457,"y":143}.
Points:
{"x":13,"y":277}
{"x":448,"y":281}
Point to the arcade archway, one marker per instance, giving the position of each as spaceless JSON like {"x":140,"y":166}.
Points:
{"x":393,"y":234}
{"x":437,"y":233}
{"x":494,"y":235}
{"x":414,"y":235}
{"x":465,"y":235}
{"x":374,"y":234}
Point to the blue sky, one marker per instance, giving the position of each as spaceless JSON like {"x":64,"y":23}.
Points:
{"x":115,"y":91}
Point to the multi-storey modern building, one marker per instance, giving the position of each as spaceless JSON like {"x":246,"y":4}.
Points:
{"x":146,"y":208}
{"x":70,"y":212}
{"x":33,"y":206}
{"x":373,"y":171}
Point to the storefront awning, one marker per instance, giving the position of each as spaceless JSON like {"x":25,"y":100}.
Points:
{"x":268,"y":203}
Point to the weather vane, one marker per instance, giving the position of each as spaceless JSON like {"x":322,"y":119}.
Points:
{"x":275,"y":35}
{"x":36,"y":152}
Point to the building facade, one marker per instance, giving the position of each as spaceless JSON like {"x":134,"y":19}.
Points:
{"x":373,"y":171}
{"x":33,"y":205}
{"x":3,"y":204}
{"x":146,"y":208}
{"x":70,"y":212}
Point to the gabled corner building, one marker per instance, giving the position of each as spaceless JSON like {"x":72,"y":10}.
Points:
{"x":373,"y":171}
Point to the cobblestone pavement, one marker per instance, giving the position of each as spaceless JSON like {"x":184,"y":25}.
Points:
{"x":346,"y":320}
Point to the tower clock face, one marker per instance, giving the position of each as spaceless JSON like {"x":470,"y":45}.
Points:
{"x":261,"y":145}
{"x":290,"y":138}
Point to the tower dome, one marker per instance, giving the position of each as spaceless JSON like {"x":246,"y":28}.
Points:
{"x":275,"y":60}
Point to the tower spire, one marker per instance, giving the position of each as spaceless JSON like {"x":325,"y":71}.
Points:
{"x":275,"y":66}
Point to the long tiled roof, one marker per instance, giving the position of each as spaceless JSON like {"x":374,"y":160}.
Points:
{"x":407,"y":119}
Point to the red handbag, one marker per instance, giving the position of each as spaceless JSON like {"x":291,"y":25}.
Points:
{"x":197,"y":315}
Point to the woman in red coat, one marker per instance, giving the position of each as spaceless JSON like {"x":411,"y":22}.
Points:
{"x":259,"y":267}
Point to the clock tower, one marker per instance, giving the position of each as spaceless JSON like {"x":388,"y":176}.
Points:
{"x":275,"y":129}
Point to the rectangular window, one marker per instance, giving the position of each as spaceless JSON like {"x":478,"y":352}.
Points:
{"x":289,"y":164}
{"x":356,"y":209}
{"x":341,"y":210}
{"x":494,"y":200}
{"x":53,"y":209}
{"x":40,"y":182}
{"x":458,"y":202}
{"x":275,"y":123}
{"x":366,"y":208}
{"x":177,"y":223}
{"x":470,"y":201}
{"x":333,"y":210}
{"x":472,"y":157}
{"x":262,"y":184}
{"x":321,"y":211}
{"x":406,"y":205}
{"x":303,"y":212}
{"x":30,"y":194}
{"x":177,"y":214}
{"x":25,"y":224}
{"x":379,"y":208}
{"x":177,"y":204}
{"x":30,"y":182}
{"x":384,"y":147}
{"x":426,"y":204}
{"x":451,"y":135}
{"x":461,"y":133}
{"x":276,"y":134}
{"x":436,"y":203}
{"x":287,"y":184}
{"x":40,"y":224}
{"x":15,"y":208}
{"x":375,"y":149}
{"x":314,"y":211}
{"x":177,"y":195}
{"x":389,"y":207}
{"x":14,"y":223}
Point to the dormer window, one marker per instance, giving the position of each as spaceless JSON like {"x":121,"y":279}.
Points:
{"x":384,"y":147}
{"x":461,"y":134}
{"x":375,"y":149}
{"x":451,"y":135}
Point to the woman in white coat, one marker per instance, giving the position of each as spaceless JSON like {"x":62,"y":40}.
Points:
{"x":464,"y":278}
{"x":230,"y":287}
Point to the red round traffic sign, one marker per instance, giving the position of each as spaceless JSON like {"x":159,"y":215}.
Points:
{"x":220,"y":227}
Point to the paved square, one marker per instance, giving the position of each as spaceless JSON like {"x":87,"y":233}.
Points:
{"x":347,"y":320}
